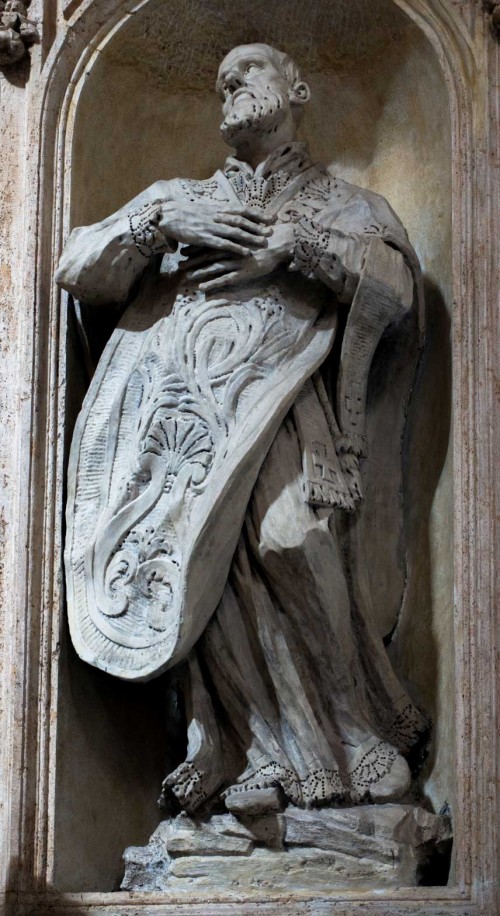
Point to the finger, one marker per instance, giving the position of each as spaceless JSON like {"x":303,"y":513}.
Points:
{"x":222,"y":282}
{"x":214,"y":241}
{"x":240,"y":235}
{"x":232,"y":219}
{"x":255,"y":215}
{"x":207,"y":258}
{"x":220,"y":267}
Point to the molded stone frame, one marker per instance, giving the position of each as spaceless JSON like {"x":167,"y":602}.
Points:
{"x":36,"y":119}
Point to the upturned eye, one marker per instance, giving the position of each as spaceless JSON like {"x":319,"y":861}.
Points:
{"x":251,"y":67}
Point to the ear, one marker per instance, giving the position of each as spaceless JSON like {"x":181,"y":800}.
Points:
{"x":300,"y":93}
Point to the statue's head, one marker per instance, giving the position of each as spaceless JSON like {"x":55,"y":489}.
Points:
{"x":261,"y":89}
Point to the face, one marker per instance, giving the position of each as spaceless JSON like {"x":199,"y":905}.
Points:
{"x":255,"y":94}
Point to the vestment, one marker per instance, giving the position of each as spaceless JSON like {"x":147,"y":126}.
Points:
{"x":186,"y":451}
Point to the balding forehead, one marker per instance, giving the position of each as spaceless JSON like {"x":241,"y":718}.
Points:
{"x":241,"y":51}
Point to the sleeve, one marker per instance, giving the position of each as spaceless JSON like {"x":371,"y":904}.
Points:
{"x":328,"y":254}
{"x":352,"y":240}
{"x":332,"y":240}
{"x":100,"y":263}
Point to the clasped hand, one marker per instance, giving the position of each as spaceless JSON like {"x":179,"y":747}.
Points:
{"x":226,"y":247}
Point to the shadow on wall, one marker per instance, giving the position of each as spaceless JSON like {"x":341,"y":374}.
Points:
{"x":110,"y":775}
{"x":416,"y":647}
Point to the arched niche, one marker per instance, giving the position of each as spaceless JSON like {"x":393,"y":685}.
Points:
{"x":142,"y":107}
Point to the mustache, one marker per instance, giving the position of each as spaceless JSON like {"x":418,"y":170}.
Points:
{"x":264,"y":108}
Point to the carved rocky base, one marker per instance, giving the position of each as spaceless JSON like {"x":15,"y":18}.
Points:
{"x":291,"y":851}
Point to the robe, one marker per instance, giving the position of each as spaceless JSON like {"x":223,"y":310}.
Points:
{"x":285,"y":677}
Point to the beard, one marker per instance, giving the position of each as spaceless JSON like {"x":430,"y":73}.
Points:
{"x":253,"y":112}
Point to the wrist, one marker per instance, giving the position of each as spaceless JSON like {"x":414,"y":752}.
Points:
{"x":168,"y":222}
{"x":311,"y":246}
{"x":323,"y":254}
{"x":144,"y":224}
{"x":284,"y":242}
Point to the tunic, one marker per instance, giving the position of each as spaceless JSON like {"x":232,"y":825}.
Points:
{"x":286,"y":681}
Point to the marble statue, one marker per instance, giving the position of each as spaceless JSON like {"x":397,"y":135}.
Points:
{"x":216,"y":469}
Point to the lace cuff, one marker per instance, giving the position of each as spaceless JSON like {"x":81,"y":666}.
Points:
{"x":317,"y":256}
{"x":147,"y":236}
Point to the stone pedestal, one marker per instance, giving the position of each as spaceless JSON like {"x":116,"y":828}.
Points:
{"x":364,"y":847}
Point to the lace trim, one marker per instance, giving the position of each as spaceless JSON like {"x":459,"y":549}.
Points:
{"x":209,"y":190}
{"x":311,"y":198}
{"x":320,"y":786}
{"x":323,"y":786}
{"x":290,"y":157}
{"x":313,"y":254}
{"x":187,"y":784}
{"x":259,"y":192}
{"x":148,"y":238}
{"x":408,"y":728}
{"x":373,"y":766}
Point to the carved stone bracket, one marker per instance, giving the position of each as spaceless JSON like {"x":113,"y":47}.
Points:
{"x":17,"y":32}
{"x":493,"y":9}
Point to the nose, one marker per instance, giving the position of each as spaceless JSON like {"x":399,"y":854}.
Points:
{"x":233,"y":81}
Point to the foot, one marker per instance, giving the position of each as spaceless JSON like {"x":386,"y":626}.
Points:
{"x":190,"y":785}
{"x":394,"y":785}
{"x":269,"y":778}
{"x":378,"y":773}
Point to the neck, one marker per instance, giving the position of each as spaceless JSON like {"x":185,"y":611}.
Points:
{"x":254,"y":148}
